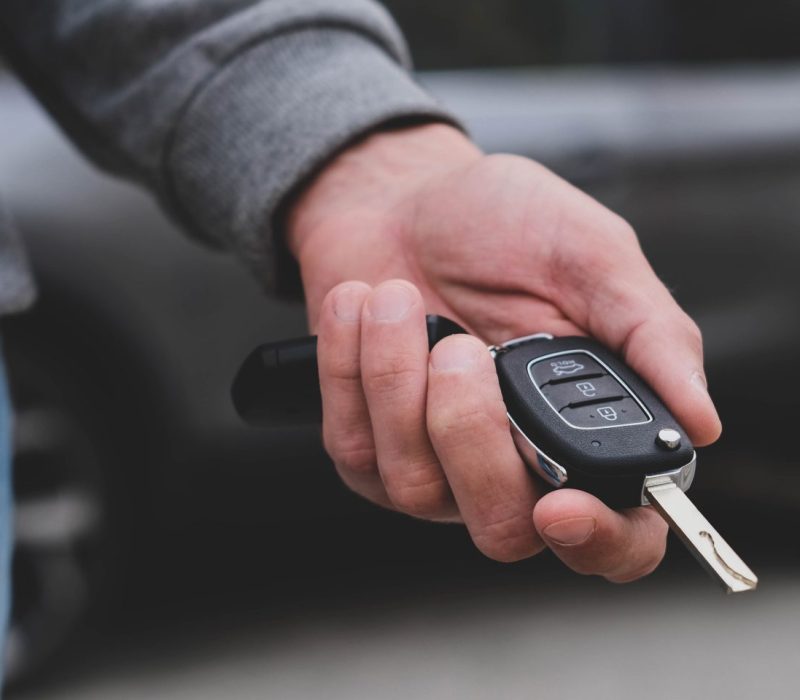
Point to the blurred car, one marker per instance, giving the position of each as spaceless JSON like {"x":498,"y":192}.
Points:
{"x":134,"y":477}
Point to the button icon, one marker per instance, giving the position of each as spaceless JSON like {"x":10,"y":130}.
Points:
{"x":608,"y":413}
{"x":599,"y":416}
{"x":558,"y":369}
{"x":566,"y":367}
{"x":587,"y":389}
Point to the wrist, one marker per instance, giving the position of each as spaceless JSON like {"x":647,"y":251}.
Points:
{"x":373,"y":175}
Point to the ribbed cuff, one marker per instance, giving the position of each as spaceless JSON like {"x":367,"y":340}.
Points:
{"x":268,"y":120}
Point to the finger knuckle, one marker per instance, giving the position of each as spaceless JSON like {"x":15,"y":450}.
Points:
{"x":421,"y":491}
{"x":624,"y":230}
{"x":339,"y":367}
{"x":395,"y":376}
{"x":356,"y":455}
{"x":694,"y":332}
{"x":618,"y":232}
{"x":507,"y":539}
{"x":454,"y":423}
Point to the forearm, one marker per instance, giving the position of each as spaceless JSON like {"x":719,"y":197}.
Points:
{"x":221,"y":108}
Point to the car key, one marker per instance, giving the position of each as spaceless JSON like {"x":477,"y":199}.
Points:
{"x":579,"y":416}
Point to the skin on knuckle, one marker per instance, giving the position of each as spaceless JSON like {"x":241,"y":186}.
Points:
{"x":426,"y":497}
{"x":624,"y":230}
{"x":339,"y":367}
{"x":454,"y":424}
{"x":496,"y":416}
{"x":507,"y":550}
{"x":357,"y":462}
{"x":694,"y":333}
{"x":619,"y":232}
{"x":396,"y":376}
{"x":507,"y":539}
{"x":354,"y":454}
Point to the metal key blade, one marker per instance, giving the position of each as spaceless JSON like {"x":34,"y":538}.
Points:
{"x":703,"y":541}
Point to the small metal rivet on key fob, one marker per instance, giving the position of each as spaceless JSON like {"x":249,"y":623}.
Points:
{"x":671,"y":439}
{"x":582,"y":418}
{"x":579,"y":417}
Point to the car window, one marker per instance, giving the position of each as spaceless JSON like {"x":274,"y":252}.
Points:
{"x":482,"y":33}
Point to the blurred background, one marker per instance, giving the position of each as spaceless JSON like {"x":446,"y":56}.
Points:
{"x":164,"y":550}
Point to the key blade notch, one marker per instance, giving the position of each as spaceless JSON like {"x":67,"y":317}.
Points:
{"x":700,"y":537}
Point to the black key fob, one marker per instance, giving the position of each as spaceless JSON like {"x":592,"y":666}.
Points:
{"x":581,"y":417}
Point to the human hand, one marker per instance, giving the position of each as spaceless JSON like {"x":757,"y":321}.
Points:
{"x":418,"y":221}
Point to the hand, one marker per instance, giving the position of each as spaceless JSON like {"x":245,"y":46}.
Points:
{"x":418,"y":221}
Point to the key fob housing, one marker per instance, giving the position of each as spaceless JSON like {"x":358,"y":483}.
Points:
{"x":582,"y":418}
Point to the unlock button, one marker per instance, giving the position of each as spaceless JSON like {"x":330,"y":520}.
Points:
{"x":579,"y":392}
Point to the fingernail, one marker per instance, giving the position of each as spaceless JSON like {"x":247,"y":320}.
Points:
{"x":391,"y":302}
{"x":571,"y":531}
{"x":454,"y":355}
{"x":347,"y":304}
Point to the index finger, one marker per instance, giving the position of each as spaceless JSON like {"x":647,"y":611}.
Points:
{"x":662,"y":344}
{"x":620,"y":301}
{"x":469,"y":430}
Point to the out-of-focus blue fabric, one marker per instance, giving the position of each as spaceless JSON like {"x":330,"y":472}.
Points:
{"x":5,"y":508}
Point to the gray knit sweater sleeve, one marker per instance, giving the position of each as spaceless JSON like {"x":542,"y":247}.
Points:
{"x":221,"y":107}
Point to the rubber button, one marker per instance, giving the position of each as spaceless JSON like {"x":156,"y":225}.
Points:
{"x":577,"y":392}
{"x":604,"y":415}
{"x":565,"y":367}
